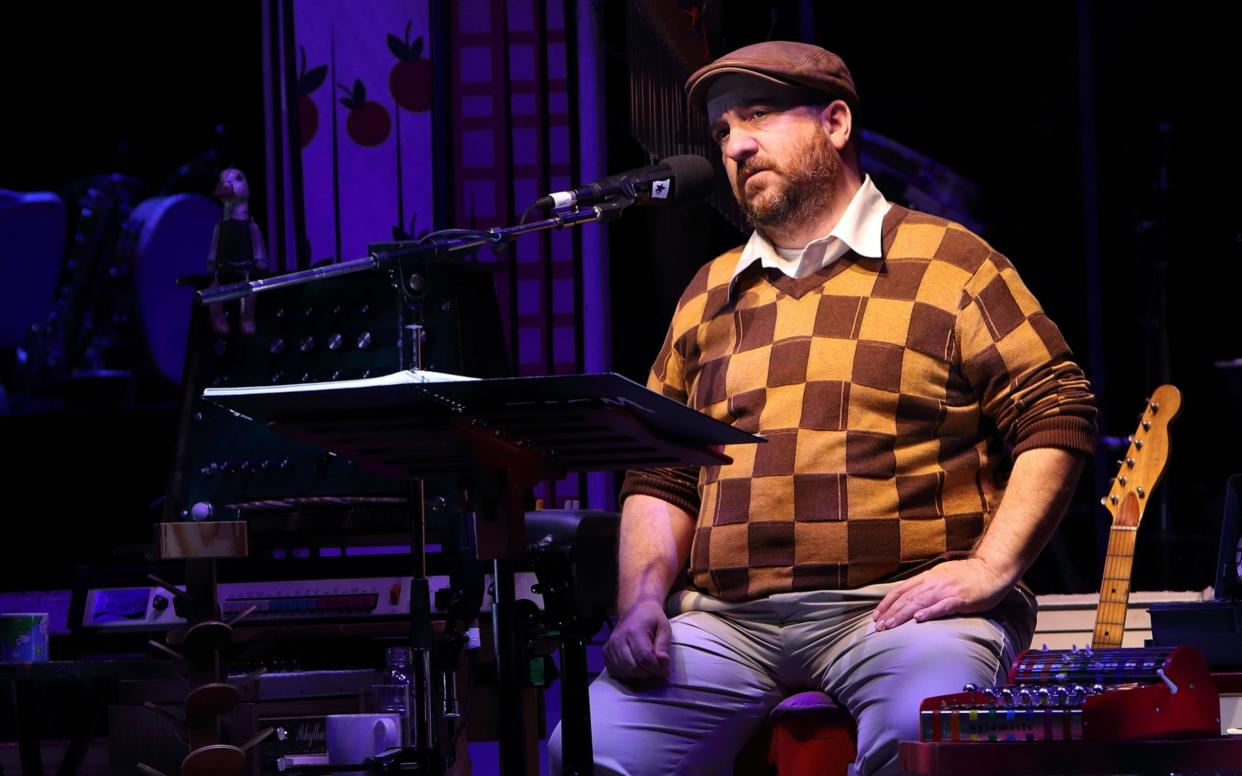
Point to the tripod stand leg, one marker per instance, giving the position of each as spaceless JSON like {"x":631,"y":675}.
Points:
{"x":579,"y":757}
{"x":508,"y":671}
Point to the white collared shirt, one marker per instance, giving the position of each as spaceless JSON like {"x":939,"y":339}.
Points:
{"x":860,"y":229}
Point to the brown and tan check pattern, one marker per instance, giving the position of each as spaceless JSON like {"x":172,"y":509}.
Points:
{"x":884,"y":388}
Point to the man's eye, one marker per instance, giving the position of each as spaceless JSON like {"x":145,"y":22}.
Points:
{"x":758,"y":114}
{"x":720,"y":135}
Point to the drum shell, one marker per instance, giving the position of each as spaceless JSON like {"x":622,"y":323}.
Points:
{"x":32,"y":245}
{"x":164,"y":239}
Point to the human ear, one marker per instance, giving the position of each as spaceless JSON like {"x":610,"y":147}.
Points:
{"x":837,"y":120}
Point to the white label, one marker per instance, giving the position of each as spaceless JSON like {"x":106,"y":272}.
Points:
{"x":661,"y":189}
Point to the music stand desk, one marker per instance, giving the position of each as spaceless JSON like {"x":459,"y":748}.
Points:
{"x":504,"y":436}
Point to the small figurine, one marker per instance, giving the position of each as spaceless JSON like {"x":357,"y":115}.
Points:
{"x":236,"y":248}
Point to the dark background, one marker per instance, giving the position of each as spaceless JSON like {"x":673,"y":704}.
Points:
{"x":140,"y":88}
{"x":997,"y":95}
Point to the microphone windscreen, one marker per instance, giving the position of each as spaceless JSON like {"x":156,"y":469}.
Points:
{"x":693,"y":177}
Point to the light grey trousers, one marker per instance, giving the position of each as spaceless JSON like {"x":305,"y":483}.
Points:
{"x":731,"y":663}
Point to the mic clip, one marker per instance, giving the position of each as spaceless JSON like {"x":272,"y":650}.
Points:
{"x":604,"y":211}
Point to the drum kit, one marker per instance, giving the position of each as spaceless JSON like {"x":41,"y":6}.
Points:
{"x":92,"y":295}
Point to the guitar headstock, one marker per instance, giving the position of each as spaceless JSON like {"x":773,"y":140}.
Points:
{"x":1145,"y":459}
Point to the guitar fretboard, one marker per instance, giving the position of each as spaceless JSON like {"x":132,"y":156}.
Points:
{"x":1110,"y":618}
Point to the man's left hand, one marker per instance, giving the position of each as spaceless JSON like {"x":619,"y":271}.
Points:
{"x":952,"y":587}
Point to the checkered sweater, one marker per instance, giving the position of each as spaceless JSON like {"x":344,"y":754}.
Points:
{"x":886,"y":389}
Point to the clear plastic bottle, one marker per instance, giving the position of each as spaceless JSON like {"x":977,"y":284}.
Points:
{"x":392,"y":693}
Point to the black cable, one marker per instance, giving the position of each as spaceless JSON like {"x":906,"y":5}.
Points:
{"x":480,"y":233}
{"x":406,"y":292}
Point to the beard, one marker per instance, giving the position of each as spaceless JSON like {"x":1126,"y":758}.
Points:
{"x":800,"y":189}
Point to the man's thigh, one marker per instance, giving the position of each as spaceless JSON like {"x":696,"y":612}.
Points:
{"x":882,"y":677}
{"x":718,"y":691}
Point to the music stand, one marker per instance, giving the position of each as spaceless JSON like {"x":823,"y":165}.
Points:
{"x":504,"y":435}
{"x":1228,"y":584}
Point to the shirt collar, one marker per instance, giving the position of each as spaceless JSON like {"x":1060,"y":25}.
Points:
{"x":860,"y":228}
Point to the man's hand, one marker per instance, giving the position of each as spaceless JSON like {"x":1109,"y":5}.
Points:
{"x":638,"y":646}
{"x":1040,"y":487}
{"x":952,"y":587}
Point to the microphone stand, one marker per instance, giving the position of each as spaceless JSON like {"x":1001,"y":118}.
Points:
{"x":422,"y":755}
{"x":436,"y":244}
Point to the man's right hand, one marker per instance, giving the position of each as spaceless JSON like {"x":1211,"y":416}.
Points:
{"x":638,"y":646}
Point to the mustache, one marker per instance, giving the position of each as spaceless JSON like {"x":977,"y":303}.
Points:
{"x":751,"y":167}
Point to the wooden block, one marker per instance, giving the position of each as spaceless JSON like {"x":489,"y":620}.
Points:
{"x":211,"y":539}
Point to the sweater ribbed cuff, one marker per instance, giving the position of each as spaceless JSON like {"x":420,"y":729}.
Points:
{"x":677,"y":486}
{"x":1067,"y":432}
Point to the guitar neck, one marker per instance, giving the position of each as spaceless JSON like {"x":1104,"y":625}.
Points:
{"x":1129,"y":492}
{"x":1110,"y":617}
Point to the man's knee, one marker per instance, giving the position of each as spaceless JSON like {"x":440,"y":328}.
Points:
{"x":901,"y":667}
{"x":694,"y":723}
{"x":605,"y":761}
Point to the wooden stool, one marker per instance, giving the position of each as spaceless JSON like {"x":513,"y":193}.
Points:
{"x":807,"y":734}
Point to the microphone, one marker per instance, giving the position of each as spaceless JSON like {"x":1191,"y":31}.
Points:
{"x":676,"y":179}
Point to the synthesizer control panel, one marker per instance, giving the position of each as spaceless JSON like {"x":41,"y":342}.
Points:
{"x":285,"y":601}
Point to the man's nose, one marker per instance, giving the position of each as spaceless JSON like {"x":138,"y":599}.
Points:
{"x":740,"y":145}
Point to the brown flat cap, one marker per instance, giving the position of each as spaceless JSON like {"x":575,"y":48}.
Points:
{"x":780,"y":61}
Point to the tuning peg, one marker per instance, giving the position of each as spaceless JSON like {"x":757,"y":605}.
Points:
{"x":1103,"y":501}
{"x":262,"y":735}
{"x":178,"y":724}
{"x":1123,"y":480}
{"x":1138,"y":444}
{"x":250,"y":677}
{"x":1130,"y":462}
{"x":1141,"y":493}
{"x":243,"y":614}
{"x":1113,"y":500}
{"x":179,"y":663}
{"x":1155,"y":407}
{"x":1147,"y":425}
{"x":1129,"y":437}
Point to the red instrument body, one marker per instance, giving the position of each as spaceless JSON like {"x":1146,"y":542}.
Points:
{"x":1082,"y":694}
